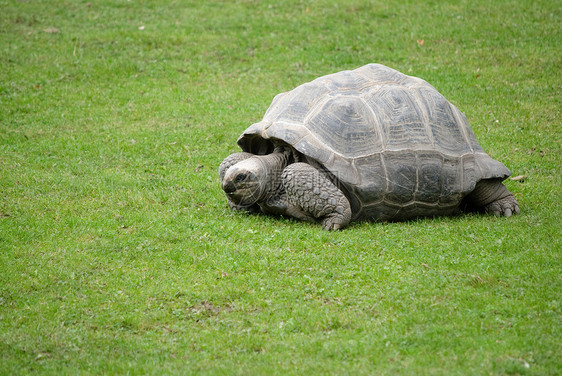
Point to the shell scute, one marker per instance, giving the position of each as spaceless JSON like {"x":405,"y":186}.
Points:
{"x":451,"y":181}
{"x":381,"y":74}
{"x":401,"y":175}
{"x":345,"y":82}
{"x":399,"y":117}
{"x":448,"y":132}
{"x":429,"y":177}
{"x":344,"y":170}
{"x":294,"y":105}
{"x":346,"y":125}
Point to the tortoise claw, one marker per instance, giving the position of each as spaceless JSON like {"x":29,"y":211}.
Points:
{"x":506,"y":206}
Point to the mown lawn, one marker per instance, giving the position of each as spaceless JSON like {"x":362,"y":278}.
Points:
{"x":119,"y":255}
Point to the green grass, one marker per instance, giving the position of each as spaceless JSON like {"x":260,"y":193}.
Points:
{"x":118,"y":254}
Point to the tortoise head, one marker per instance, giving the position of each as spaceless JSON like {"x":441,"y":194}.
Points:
{"x":244,"y":182}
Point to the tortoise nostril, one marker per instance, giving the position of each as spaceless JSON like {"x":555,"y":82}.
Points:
{"x":229,"y":188}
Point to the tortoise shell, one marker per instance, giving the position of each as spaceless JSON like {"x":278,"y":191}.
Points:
{"x":395,"y":146}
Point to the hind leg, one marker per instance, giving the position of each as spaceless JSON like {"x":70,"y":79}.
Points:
{"x":491,"y":196}
{"x":313,"y":195}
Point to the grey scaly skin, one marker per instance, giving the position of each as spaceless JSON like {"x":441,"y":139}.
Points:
{"x":280,"y":187}
{"x":491,"y":196}
{"x":314,"y":194}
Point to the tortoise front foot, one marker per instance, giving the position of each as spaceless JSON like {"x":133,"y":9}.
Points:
{"x":334,"y":222}
{"x":315,"y":196}
{"x":505,"y":206}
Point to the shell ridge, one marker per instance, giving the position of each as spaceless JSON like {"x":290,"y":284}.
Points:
{"x":462,"y":125}
{"x":313,"y":111}
{"x":315,"y":156}
{"x":425,"y":114}
{"x":378,"y":122}
{"x":386,"y":179}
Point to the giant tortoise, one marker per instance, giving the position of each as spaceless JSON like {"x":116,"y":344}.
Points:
{"x":366,"y":144}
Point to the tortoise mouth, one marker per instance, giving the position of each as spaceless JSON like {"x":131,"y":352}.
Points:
{"x":242,"y":196}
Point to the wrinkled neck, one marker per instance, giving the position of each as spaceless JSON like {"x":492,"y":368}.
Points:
{"x":273,"y":165}
{"x":275,"y":162}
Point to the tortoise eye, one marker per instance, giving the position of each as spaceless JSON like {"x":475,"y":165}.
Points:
{"x":239,"y":178}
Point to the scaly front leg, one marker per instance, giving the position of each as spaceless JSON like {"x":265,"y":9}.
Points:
{"x":316,"y":196}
